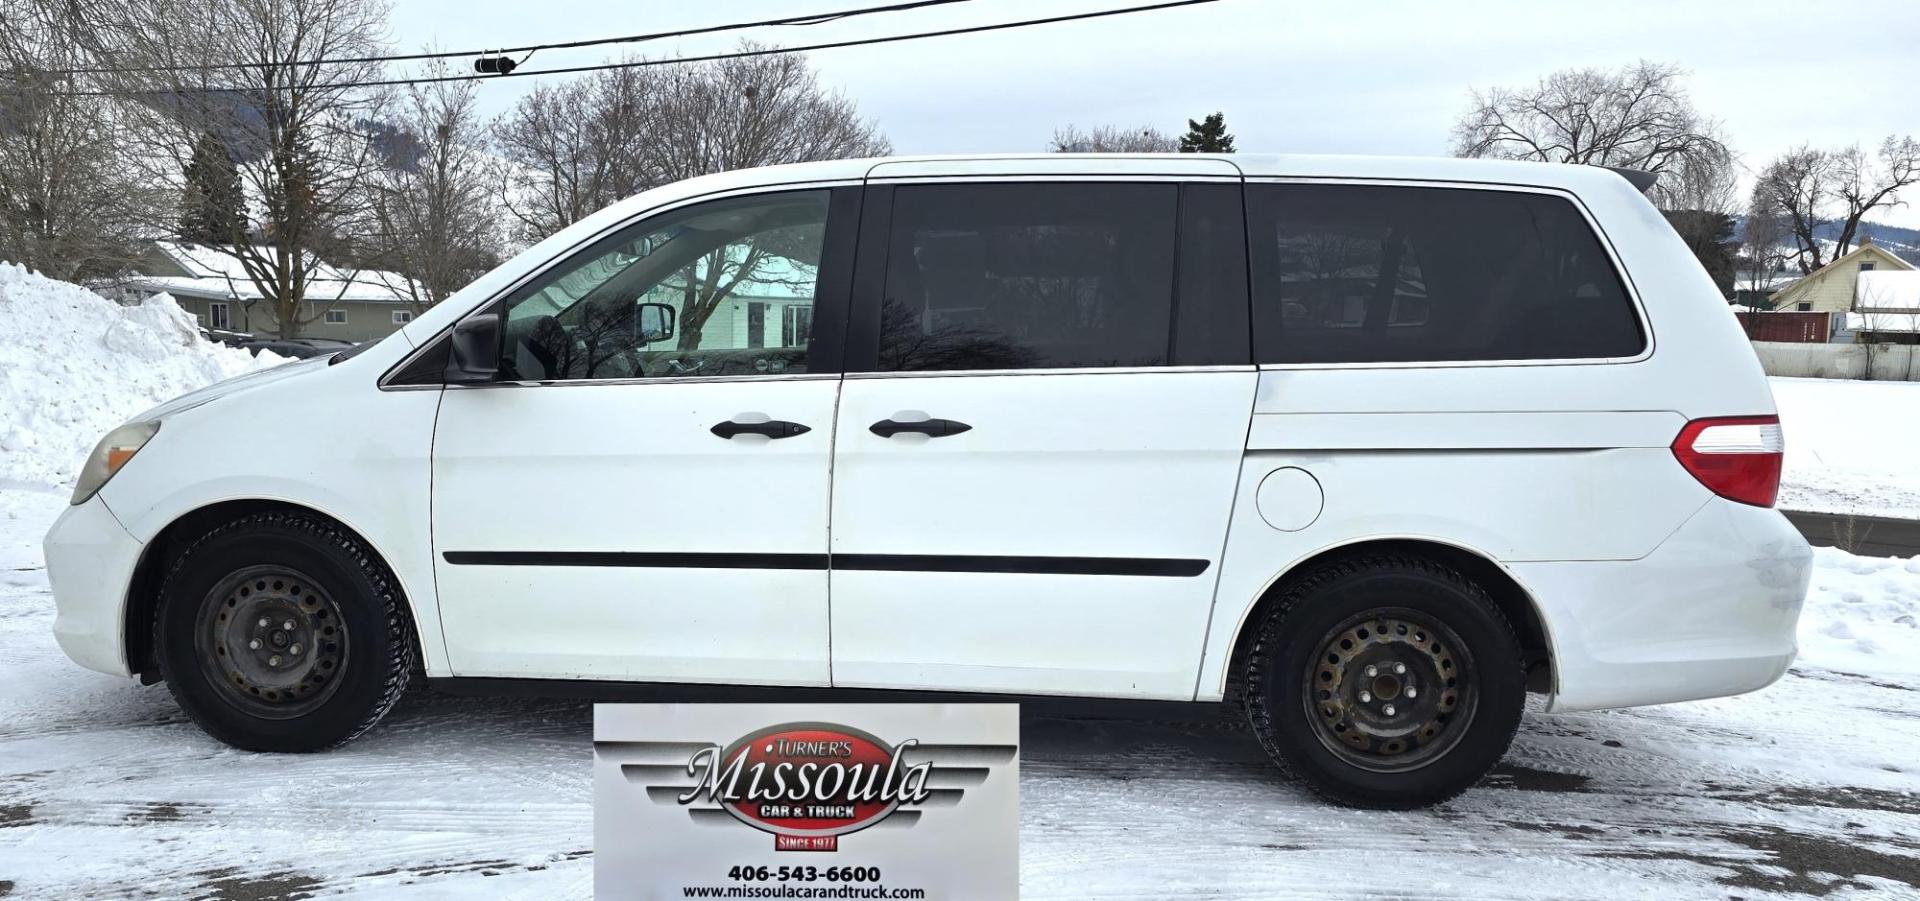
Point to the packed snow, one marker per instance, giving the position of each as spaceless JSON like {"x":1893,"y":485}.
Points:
{"x":73,"y":365}
{"x":1808,"y":788}
{"x":1852,"y":447}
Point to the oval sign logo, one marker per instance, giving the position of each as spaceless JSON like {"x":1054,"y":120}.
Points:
{"x":809,"y":780}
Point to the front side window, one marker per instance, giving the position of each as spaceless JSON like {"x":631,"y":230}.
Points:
{"x":1029,"y":276}
{"x":692,"y":292}
{"x":1370,"y":274}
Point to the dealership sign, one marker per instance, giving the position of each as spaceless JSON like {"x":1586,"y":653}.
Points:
{"x":888,"y":796}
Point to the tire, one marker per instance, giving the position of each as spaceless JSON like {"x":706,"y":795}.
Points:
{"x":281,"y":631}
{"x":1436,"y":711}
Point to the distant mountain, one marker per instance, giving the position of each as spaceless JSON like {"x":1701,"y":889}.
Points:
{"x":1904,"y":242}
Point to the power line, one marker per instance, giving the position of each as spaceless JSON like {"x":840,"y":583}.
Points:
{"x":808,"y":19}
{"x":636,"y":64}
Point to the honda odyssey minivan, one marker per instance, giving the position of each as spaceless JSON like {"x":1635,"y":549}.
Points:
{"x":1366,"y":449}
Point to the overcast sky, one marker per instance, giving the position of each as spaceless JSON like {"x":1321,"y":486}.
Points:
{"x":1356,"y":76}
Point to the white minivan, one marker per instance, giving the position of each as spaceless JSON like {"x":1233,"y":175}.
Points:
{"x":1365,"y":448}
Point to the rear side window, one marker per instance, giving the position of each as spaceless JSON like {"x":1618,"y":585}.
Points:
{"x":1376,"y":274}
{"x":1029,"y":276}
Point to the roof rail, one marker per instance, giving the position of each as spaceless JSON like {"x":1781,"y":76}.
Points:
{"x":1640,"y":179}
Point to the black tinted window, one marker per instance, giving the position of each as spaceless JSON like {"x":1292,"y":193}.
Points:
{"x":1361,"y":274}
{"x":1029,"y":276}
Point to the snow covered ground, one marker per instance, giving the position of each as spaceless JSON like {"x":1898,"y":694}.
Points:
{"x":1852,"y":447}
{"x":1808,"y":788}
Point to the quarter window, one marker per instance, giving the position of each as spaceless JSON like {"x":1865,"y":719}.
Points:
{"x":687,"y":293}
{"x":1363,"y":274}
{"x":1029,"y":276}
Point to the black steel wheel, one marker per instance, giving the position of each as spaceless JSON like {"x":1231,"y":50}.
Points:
{"x":270,"y":639}
{"x":1384,"y":680}
{"x":281,"y":631}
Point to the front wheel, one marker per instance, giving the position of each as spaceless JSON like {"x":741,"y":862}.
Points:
{"x":280,"y":631}
{"x":1385,"y":680}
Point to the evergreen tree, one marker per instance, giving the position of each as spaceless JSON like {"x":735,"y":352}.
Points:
{"x":1207,"y":136}
{"x":1710,"y":236}
{"x":211,"y":207}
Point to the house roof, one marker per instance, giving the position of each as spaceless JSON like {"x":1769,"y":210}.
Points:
{"x":1883,"y":322}
{"x":1895,"y":290}
{"x":1879,"y":254}
{"x":215,"y":273}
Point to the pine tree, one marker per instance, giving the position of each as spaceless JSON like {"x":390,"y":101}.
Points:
{"x":211,"y":208}
{"x":1207,"y":136}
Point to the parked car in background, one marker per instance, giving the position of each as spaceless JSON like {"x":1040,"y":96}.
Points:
{"x":1363,"y":448}
{"x":299,"y":348}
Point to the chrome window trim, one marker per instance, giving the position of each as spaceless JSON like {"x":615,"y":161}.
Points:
{"x":1606,"y":243}
{"x":568,"y":254}
{"x":660,"y":380}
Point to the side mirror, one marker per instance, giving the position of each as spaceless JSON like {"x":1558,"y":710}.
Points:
{"x":654,"y":323}
{"x":475,"y":353}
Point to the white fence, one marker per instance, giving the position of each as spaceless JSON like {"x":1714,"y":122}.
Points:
{"x":1890,"y":362}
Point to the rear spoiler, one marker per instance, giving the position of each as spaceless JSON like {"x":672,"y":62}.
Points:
{"x":1640,"y":179}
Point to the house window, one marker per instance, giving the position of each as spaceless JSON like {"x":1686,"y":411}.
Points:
{"x":336,"y":317}
{"x":1804,"y":307}
{"x":756,"y":324}
{"x":1866,"y":267}
{"x":219,"y":316}
{"x":796,"y":323}
{"x":402,"y":317}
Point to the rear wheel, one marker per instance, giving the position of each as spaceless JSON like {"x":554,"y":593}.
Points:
{"x":280,"y":631}
{"x":1385,"y":680}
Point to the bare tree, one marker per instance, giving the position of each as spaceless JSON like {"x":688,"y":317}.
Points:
{"x":1794,"y":190}
{"x":435,"y":204}
{"x":68,"y":206}
{"x":1808,"y":188}
{"x":1112,"y":139}
{"x":1762,"y":251}
{"x":577,"y":147}
{"x":1638,"y":117}
{"x":300,"y":136}
{"x":571,"y":149}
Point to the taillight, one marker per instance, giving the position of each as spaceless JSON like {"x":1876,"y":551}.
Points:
{"x":1736,"y":457}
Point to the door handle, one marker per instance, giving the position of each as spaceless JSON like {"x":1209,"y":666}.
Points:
{"x":932,"y":428}
{"x":775,"y":429}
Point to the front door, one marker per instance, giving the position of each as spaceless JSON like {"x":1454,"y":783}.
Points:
{"x":644,"y":494}
{"x":1034,"y":474}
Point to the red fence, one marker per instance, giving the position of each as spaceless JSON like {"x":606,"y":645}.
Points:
{"x":1809,"y":328}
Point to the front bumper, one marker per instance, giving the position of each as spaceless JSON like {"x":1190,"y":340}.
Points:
{"x":1711,"y":612}
{"x":90,"y":563}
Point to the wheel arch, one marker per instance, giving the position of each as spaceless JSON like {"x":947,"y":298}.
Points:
{"x":143,"y":590}
{"x":1512,"y":597}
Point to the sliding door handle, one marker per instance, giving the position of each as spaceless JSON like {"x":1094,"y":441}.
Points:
{"x":932,"y":428}
{"x":775,"y":429}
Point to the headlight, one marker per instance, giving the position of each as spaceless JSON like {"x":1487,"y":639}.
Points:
{"x":110,"y":454}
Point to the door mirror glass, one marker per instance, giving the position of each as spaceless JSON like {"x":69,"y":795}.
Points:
{"x":654,"y":323}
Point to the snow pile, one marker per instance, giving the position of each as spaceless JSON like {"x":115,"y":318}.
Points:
{"x":1862,"y":614}
{"x":74,"y":365}
{"x":1852,"y":447}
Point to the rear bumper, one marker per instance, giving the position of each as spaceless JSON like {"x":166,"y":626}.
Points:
{"x":90,"y":561}
{"x":1710,"y":613}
